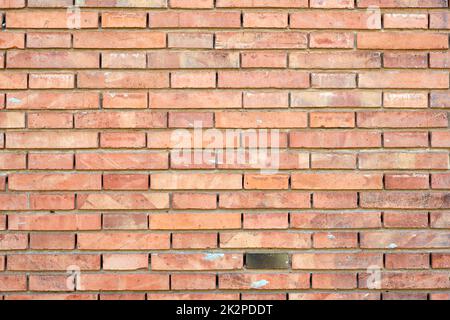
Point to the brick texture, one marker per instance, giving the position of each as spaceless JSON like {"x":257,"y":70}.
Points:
{"x":128,"y":131}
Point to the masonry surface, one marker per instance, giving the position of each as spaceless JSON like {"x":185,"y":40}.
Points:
{"x":98,"y":202}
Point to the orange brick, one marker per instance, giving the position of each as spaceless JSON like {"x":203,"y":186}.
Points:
{"x":196,"y":261}
{"x":194,"y":19}
{"x":335,"y":20}
{"x":51,"y":19}
{"x":194,"y":221}
{"x":124,"y":19}
{"x":119,"y":40}
{"x":52,"y":222}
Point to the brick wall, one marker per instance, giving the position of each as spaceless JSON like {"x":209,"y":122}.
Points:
{"x":227,"y":149}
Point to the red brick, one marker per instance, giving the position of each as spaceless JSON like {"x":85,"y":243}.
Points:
{"x":192,"y":60}
{"x":402,"y":3}
{"x":194,"y":201}
{"x":405,"y":139}
{"x":44,"y":100}
{"x":121,"y":120}
{"x":397,"y":160}
{"x":265,"y":59}
{"x":336,"y":140}
{"x":52,"y":262}
{"x":13,"y":241}
{"x":195,"y":100}
{"x":265,"y":20}
{"x":334,"y":296}
{"x":263,"y":79}
{"x":43,"y":120}
{"x":193,"y":281}
{"x":405,"y":60}
{"x":201,"y":79}
{"x":49,"y":40}
{"x":405,"y":21}
{"x":268,"y":281}
{"x":413,"y":280}
{"x":125,"y":296}
{"x":337,"y":40}
{"x":336,"y":20}
{"x":406,"y":181}
{"x":196,"y":261}
{"x":394,"y":219}
{"x":12,"y":40}
{"x":323,"y":261}
{"x":194,"y":240}
{"x":52,"y":202}
{"x":195,"y":221}
{"x":190,"y":40}
{"x":12,"y":120}
{"x":335,"y":60}
{"x":46,"y":283}
{"x":333,"y":161}
{"x":119,"y":40}
{"x":407,"y":261}
{"x":14,"y":202}
{"x":119,"y":79}
{"x":195,"y":19}
{"x":255,"y":200}
{"x":121,"y":161}
{"x":405,"y":100}
{"x":329,"y":200}
{"x":54,"y":182}
{"x":440,"y":260}
{"x":117,"y":4}
{"x":440,"y":181}
{"x":352,"y":220}
{"x":117,"y":201}
{"x":261,"y":4}
{"x":126,"y":221}
{"x":13,"y":282}
{"x":341,"y":181}
{"x":197,"y":4}
{"x":60,"y":19}
{"x":439,"y":220}
{"x":440,"y":60}
{"x":52,"y":81}
{"x":12,"y":161}
{"x":439,"y":20}
{"x":405,"y":200}
{"x":265,"y":221}
{"x":52,"y":241}
{"x":401,"y":40}
{"x":123,"y":241}
{"x":125,"y":261}
{"x":335,"y":240}
{"x":260,"y":40}
{"x":334,"y":281}
{"x":404,"y":239}
{"x":50,"y":161}
{"x":125,"y":182}
{"x":52,"y":59}
{"x":332,"y":4}
{"x":404,"y":79}
{"x":124,"y":19}
{"x":120,"y":60}
{"x":128,"y":282}
{"x":54,"y":222}
{"x":254,"y":119}
{"x":338,"y":99}
{"x":122,"y":140}
{"x":255,"y":240}
{"x":261,"y":100}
